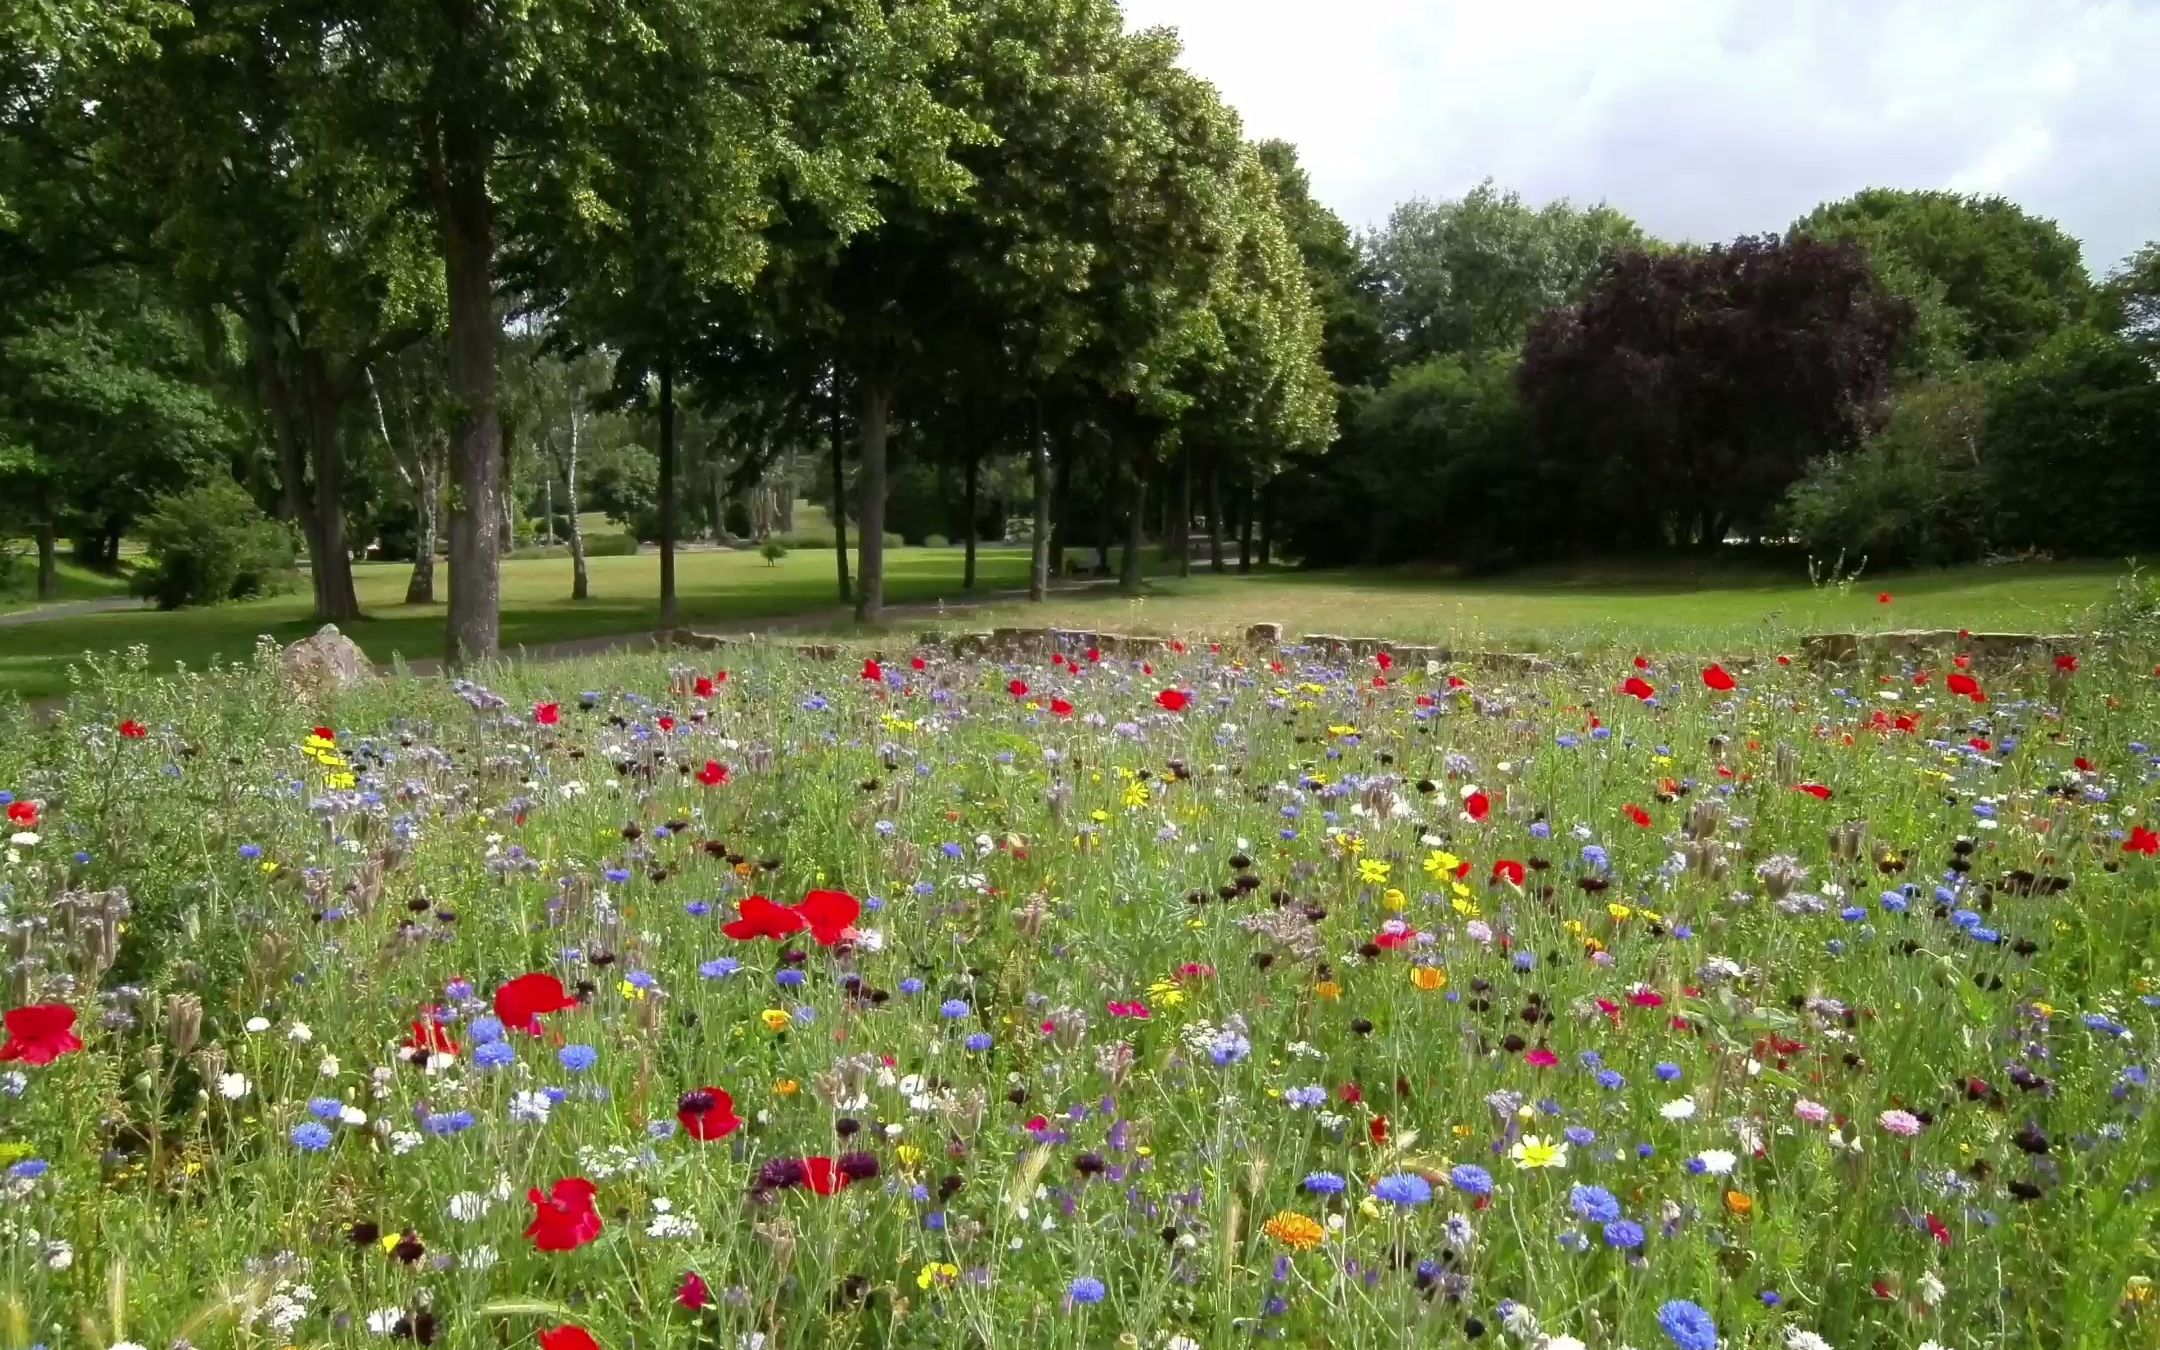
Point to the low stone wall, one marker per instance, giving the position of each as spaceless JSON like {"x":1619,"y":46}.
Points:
{"x":1013,"y":644}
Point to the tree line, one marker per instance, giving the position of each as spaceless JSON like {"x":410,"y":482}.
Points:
{"x":340,"y":251}
{"x":1910,"y":377}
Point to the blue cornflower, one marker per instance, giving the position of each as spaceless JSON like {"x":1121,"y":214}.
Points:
{"x":1540,"y":830}
{"x":1610,"y":1080}
{"x":1471,"y":1179}
{"x":911,"y":985}
{"x":639,"y":979}
{"x":482,"y":1030}
{"x":1625,"y":1234}
{"x":805,"y":1015}
{"x":1770,"y":1298}
{"x":789,"y":978}
{"x":251,"y":851}
{"x":1086,"y":1289}
{"x":617,"y":875}
{"x":29,"y":1169}
{"x":1315,"y":1095}
{"x":978,"y":1042}
{"x":1667,"y":1071}
{"x":934,"y":1221}
{"x":1525,"y":961}
{"x":1581,"y":1136}
{"x":951,"y":850}
{"x":447,"y":1122}
{"x":311,"y":1135}
{"x":2105,"y":1025}
{"x":719,"y":968}
{"x":953,"y":1008}
{"x":1324,"y":1183}
{"x":1406,"y":1189}
{"x":1852,"y":914}
{"x":1688,"y":1324}
{"x":325,"y":1108}
{"x":1894,"y":902}
{"x":1594,"y":1203}
{"x":577,"y":1058}
{"x":494,"y":1055}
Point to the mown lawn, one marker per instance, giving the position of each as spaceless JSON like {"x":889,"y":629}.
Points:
{"x":18,"y":590}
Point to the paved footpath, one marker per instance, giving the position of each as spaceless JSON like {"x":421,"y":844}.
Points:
{"x":69,"y":609}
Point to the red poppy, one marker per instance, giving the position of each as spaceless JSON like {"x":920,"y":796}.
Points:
{"x":1385,"y":661}
{"x":567,"y":1337}
{"x":714,"y":774}
{"x":720,"y":676}
{"x":1147,"y":668}
{"x":707,"y":1114}
{"x":918,"y":664}
{"x":1882,"y":598}
{"x":1716,"y":677}
{"x":564,"y":1219}
{"x":1784,"y":660}
{"x":1061,"y":707}
{"x":1173,"y":700}
{"x":1456,"y":682}
{"x":430,"y":1037}
{"x":1018,"y":688}
{"x":547,"y":714}
{"x":830,"y":915}
{"x":1058,"y":659}
{"x":522,"y":1002}
{"x":24,"y":814}
{"x":1638,"y":815}
{"x":666,"y":722}
{"x":693,"y":1293}
{"x":1963,"y":661}
{"x":1638,"y":687}
{"x":2141,"y":840}
{"x":822,"y":1177}
{"x":1964,"y":686}
{"x":1642,"y":663}
{"x":2082,"y":764}
{"x":1509,"y":871}
{"x":1477,"y":806}
{"x":1094,"y":655}
{"x":1938,"y":1230}
{"x":759,"y":917}
{"x":871,"y":670}
{"x":1376,"y":1129}
{"x":1395,"y":940}
{"x":704,"y":687}
{"x":2066,"y":663}
{"x":1815,"y":790}
{"x":133,"y":730}
{"x":1981,"y":743}
{"x":40,"y":1033}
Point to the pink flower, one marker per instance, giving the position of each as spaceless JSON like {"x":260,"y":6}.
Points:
{"x":1902,"y":1123}
{"x":1814,"y":1113}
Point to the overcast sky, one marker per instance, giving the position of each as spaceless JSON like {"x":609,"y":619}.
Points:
{"x":1703,"y":119}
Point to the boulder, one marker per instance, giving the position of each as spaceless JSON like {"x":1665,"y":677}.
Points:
{"x":325,"y":663}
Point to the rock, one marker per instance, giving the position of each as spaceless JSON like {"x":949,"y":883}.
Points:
{"x":708,"y":642}
{"x":1263,"y":635}
{"x":325,"y":663}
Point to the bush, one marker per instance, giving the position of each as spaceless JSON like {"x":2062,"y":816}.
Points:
{"x":936,"y":541}
{"x":610,"y":545}
{"x":210,"y":544}
{"x":772,"y":551}
{"x":1912,"y":494}
{"x":2067,"y":449}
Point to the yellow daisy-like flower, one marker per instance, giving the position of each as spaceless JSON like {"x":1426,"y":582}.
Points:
{"x":1395,"y":899}
{"x":1166,"y":992}
{"x":1136,"y":796}
{"x":1299,"y":1232}
{"x":1098,"y":815}
{"x":1372,"y":871}
{"x":1440,"y":863}
{"x":936,"y":1273}
{"x":910,"y":1155}
{"x":1532,"y":1152}
{"x":786,"y":1087}
{"x":1467,"y":908}
{"x":1342,"y":729}
{"x":775,"y":1020}
{"x":1620,"y":913}
{"x":1428,"y":978}
{"x":339,"y":782}
{"x":629,"y":990}
{"x":1327,"y":989}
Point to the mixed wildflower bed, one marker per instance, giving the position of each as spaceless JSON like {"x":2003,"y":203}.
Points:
{"x":1204,"y":1000}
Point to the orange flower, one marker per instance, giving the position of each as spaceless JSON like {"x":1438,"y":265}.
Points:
{"x":1428,"y":978}
{"x":1328,"y":989}
{"x":1296,"y":1231}
{"x":1739,"y":1203}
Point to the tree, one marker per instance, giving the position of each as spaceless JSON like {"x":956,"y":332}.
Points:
{"x":1344,"y":284}
{"x":2067,"y":449}
{"x":1989,"y":281}
{"x":2133,"y":298}
{"x":1676,"y":402}
{"x":1474,"y":275}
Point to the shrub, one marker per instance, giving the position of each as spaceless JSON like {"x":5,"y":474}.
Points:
{"x":209,"y":544}
{"x":610,"y":545}
{"x":1912,"y":494}
{"x":936,"y":541}
{"x":772,"y":550}
{"x":2067,"y":449}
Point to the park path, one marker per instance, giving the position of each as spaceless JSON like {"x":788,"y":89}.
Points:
{"x":69,"y":609}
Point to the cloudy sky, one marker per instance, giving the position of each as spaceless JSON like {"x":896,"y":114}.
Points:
{"x":1703,"y":118}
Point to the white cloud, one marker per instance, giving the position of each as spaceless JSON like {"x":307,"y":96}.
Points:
{"x":1703,"y":118}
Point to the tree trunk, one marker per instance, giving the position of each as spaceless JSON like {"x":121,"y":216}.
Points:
{"x":1061,"y":504}
{"x":877,"y":398}
{"x":48,"y":558}
{"x":335,"y":599}
{"x":547,"y":510}
{"x":1181,"y":528}
{"x":459,"y":183}
{"x":974,"y":467}
{"x":1245,"y":527}
{"x":427,"y":497}
{"x":839,"y":494}
{"x":1266,"y":512}
{"x":580,"y":583}
{"x":1039,"y":547}
{"x":1214,"y":515}
{"x":667,"y":492}
{"x":1135,"y":522}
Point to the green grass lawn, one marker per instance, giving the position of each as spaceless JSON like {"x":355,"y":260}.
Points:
{"x":1663,"y":605}
{"x":716,"y":589}
{"x":76,"y":583}
{"x":1650,"y":606}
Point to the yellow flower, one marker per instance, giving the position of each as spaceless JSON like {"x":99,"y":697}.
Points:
{"x":1328,"y":989}
{"x":1428,"y":978}
{"x":1619,"y":912}
{"x":775,"y":1020}
{"x":339,"y":782}
{"x":786,"y":1087}
{"x":1466,"y":908}
{"x":1531,"y":1151}
{"x":1340,"y":729}
{"x":1136,"y":795}
{"x":1440,"y":863}
{"x":1394,"y":899}
{"x":936,"y":1272}
{"x":629,"y":990}
{"x":1372,"y":871}
{"x":910,"y":1155}
{"x":1166,"y":992}
{"x":1098,"y":815}
{"x":1299,"y":1232}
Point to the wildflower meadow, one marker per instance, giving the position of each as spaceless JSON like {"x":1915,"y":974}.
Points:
{"x":1207,"y":997}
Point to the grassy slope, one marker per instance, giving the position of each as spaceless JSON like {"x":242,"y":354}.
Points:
{"x":76,"y":583}
{"x":1660,"y":606}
